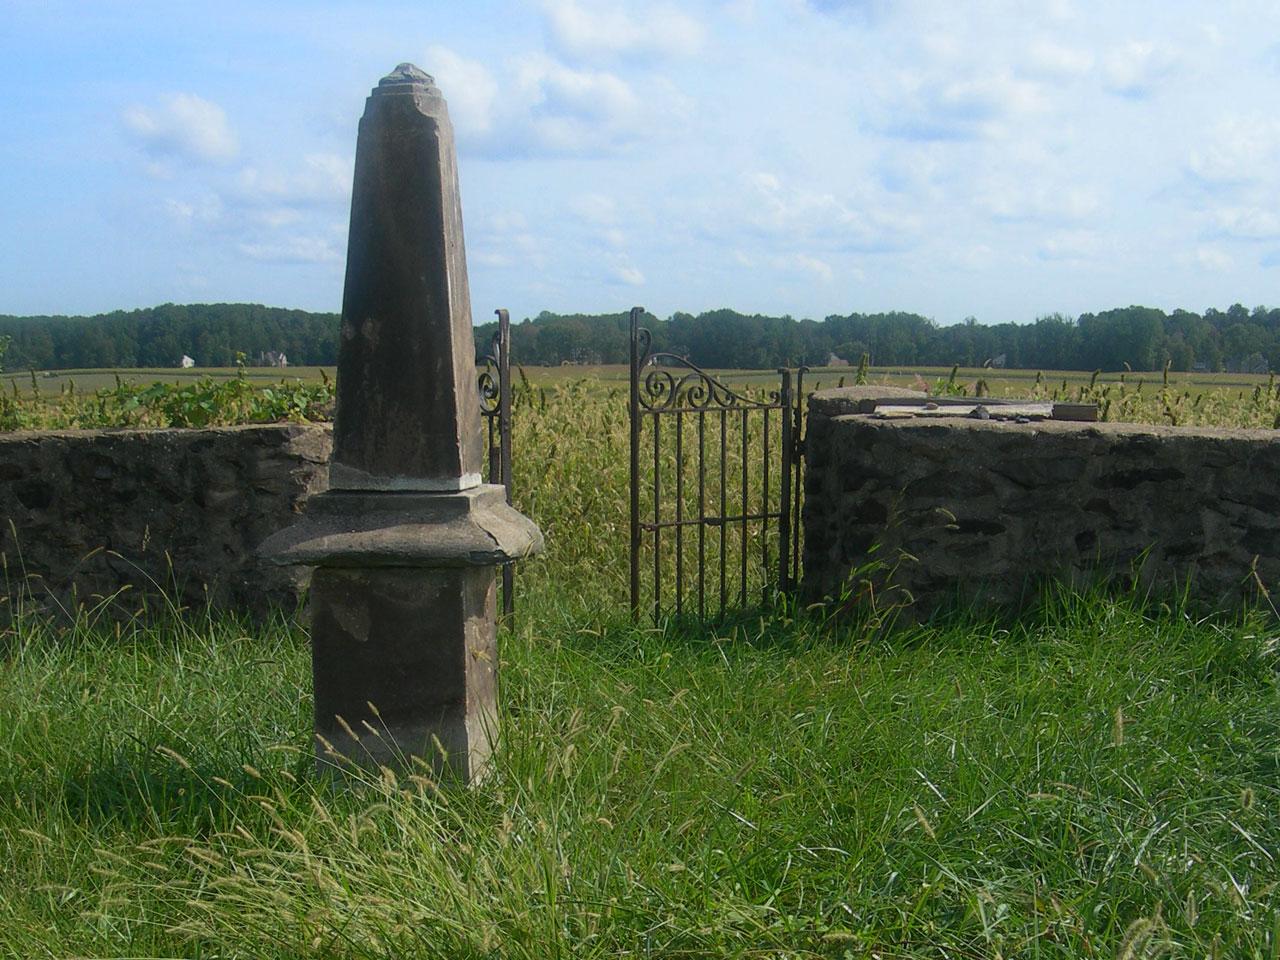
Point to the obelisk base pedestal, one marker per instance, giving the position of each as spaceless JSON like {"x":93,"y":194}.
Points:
{"x":405,"y":666}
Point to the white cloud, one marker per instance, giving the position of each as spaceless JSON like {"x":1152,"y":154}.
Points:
{"x":803,"y":263}
{"x":1246,"y":223}
{"x":977,"y":256}
{"x":1012,"y":199}
{"x":627,"y":274}
{"x":1213,"y":259}
{"x":542,"y":107}
{"x":504,"y":240}
{"x":512,"y":221}
{"x":1138,"y":67}
{"x":276,"y":216}
{"x":296,"y":249}
{"x":938,"y":107}
{"x":183,"y":125}
{"x":1050,"y":59}
{"x":1238,"y":150}
{"x":319,"y":178}
{"x":598,"y":30}
{"x":775,"y":210}
{"x":567,"y":111}
{"x":589,"y":96}
{"x":469,"y":88}
{"x":595,"y":208}
{"x":1072,"y":245}
{"x":204,"y":209}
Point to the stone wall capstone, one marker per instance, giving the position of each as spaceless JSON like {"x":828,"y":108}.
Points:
{"x":89,"y":514}
{"x":984,"y":511}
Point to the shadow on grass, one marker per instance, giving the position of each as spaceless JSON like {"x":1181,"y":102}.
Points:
{"x":132,"y":786}
{"x":858,"y":621}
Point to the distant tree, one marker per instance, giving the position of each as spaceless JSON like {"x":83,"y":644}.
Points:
{"x":1142,"y":337}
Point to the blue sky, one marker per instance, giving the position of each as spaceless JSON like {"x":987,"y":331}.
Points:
{"x":996,"y":159}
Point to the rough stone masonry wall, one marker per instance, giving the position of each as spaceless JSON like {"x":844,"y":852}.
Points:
{"x":88,"y":513}
{"x":979,"y":510}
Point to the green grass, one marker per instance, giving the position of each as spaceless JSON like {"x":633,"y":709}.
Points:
{"x":1050,"y":788}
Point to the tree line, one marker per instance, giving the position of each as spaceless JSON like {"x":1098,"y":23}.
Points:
{"x":213,"y":334}
{"x":1140,"y":338}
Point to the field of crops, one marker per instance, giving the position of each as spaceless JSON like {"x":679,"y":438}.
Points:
{"x":1099,"y":777}
{"x":165,"y":397}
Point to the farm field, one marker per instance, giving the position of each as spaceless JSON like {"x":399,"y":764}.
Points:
{"x":1098,"y":778}
{"x":1012,"y":383}
{"x":96,"y":398}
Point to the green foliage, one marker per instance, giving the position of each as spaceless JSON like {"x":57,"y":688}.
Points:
{"x":212,"y":333}
{"x":1258,"y":407}
{"x":862,"y":377}
{"x":205,"y":402}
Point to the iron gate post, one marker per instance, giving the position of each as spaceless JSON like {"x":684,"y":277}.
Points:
{"x":784,"y":495}
{"x":634,"y":418}
{"x":495,"y":406}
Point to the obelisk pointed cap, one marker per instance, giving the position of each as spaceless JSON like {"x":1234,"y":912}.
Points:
{"x":405,"y":75}
{"x":408,"y":415}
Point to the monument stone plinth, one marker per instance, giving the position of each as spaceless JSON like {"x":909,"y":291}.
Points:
{"x":407,"y":539}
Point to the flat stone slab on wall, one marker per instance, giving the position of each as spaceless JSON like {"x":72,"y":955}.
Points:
{"x":88,"y":513}
{"x":976,"y":510}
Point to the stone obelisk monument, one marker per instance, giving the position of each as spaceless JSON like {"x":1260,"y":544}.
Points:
{"x":407,"y":538}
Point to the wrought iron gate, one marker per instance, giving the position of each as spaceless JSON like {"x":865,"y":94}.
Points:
{"x":495,"y":407}
{"x":721,"y":498}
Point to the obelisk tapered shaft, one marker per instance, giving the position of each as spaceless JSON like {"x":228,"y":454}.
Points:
{"x":408,"y":411}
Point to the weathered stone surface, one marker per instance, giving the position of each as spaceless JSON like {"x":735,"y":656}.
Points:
{"x":474,"y":527}
{"x":420,"y":646}
{"x":408,"y":417}
{"x":87,"y":514}
{"x":842,"y":400}
{"x":985,"y":511}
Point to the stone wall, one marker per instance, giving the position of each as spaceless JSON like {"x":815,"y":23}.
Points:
{"x":89,"y":514}
{"x":984,"y":511}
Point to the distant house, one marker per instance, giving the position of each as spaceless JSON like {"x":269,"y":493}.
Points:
{"x":186,"y":363}
{"x":271,"y":358}
{"x":834,"y":361}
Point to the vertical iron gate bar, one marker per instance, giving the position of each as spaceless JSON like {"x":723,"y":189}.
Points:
{"x":657,"y":520}
{"x":797,"y":461}
{"x":679,"y":513}
{"x":634,"y":410}
{"x":504,"y":442}
{"x":724,"y":510}
{"x":742,"y":596}
{"x":764,"y":498}
{"x":702,"y":514}
{"x":784,"y":495}
{"x":495,"y":406}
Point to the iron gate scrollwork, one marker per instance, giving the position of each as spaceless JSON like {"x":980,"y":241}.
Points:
{"x":731,"y":464}
{"x":495,"y":407}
